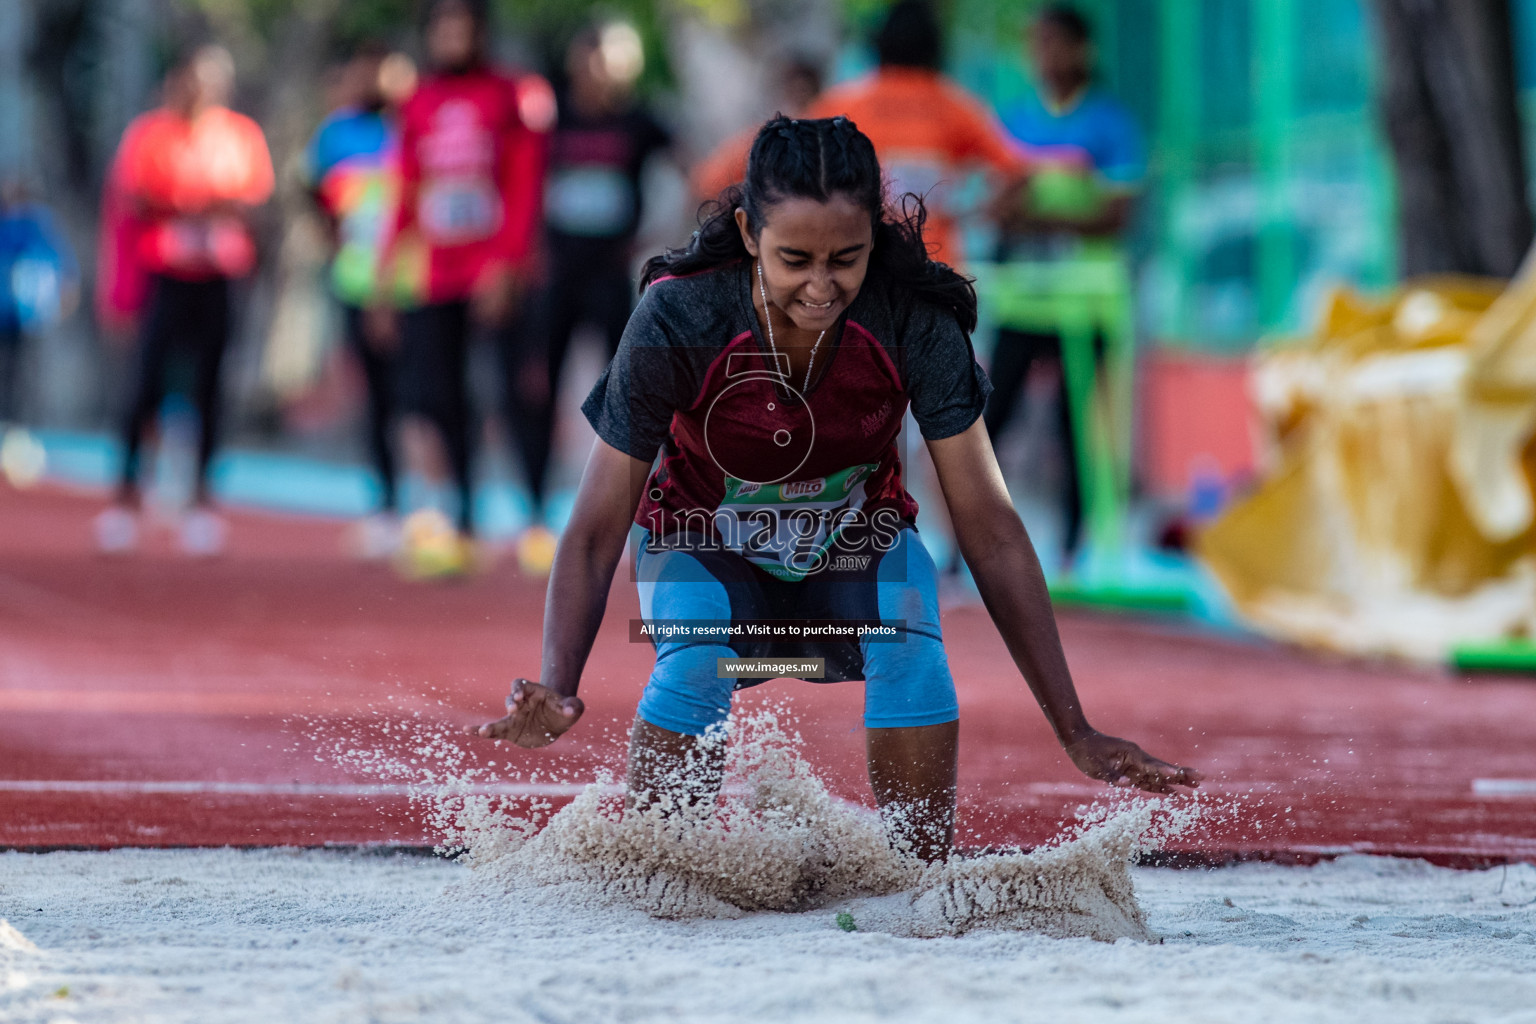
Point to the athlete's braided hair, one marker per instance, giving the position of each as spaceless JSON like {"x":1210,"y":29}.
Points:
{"x":817,"y":159}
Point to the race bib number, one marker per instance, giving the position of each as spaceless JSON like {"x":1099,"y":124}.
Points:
{"x":787,"y":528}
{"x":453,"y":211}
{"x":363,"y":204}
{"x":594,"y":202}
{"x":35,"y":290}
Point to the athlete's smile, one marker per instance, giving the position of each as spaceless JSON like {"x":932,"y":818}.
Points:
{"x":813,"y":255}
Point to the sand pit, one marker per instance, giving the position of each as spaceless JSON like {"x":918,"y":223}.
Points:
{"x":221,"y":936}
{"x":778,"y":840}
{"x":585,"y":914}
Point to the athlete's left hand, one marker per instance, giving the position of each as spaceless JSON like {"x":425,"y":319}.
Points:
{"x":1122,"y":763}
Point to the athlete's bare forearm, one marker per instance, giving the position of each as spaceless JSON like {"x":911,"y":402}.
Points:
{"x":573,"y":610}
{"x":1002,"y":559}
{"x":998,"y":549}
{"x":588,"y":554}
{"x":1012,"y":585}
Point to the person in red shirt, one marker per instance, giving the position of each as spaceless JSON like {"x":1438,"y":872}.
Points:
{"x":189,"y":174}
{"x":471,"y":178}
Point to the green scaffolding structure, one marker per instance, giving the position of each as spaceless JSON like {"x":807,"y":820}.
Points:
{"x":1268,"y":175}
{"x":1267,"y":181}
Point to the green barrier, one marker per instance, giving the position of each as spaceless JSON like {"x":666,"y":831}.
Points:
{"x":1498,"y":656}
{"x":1170,"y":598}
{"x":1081,"y":298}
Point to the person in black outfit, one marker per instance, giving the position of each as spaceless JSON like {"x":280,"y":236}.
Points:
{"x":601,"y":142}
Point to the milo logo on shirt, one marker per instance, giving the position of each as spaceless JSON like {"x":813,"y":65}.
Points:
{"x":800,"y":489}
{"x":787,"y":529}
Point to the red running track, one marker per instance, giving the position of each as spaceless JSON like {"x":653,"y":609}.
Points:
{"x":158,"y":701}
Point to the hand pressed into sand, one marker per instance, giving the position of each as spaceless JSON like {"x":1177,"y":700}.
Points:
{"x":536,"y":716}
{"x":1122,"y":763}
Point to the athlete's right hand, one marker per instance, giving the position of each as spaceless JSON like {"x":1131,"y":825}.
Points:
{"x":536,"y":716}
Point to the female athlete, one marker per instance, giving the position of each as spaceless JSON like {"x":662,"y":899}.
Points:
{"x":771,"y":363}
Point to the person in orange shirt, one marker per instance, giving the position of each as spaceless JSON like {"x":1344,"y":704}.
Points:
{"x":190,"y":173}
{"x":929,"y":133}
{"x":927,"y":130}
{"x":800,"y":82}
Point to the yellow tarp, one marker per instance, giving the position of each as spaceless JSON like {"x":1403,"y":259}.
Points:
{"x":1397,"y":516}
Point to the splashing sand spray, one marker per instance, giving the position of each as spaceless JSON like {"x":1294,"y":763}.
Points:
{"x":777,"y":840}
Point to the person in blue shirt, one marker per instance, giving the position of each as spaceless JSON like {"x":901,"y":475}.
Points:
{"x":1087,"y":164}
{"x":347,"y":166}
{"x":39,"y":282}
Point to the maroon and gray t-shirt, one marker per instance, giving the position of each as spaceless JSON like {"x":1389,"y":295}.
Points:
{"x":745,"y":456}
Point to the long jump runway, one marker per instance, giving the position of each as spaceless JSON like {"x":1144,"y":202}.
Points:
{"x":158,"y":701}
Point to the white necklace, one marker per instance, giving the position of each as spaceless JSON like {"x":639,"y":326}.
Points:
{"x":768,"y":319}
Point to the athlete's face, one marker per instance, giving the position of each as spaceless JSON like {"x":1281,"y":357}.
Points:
{"x":213,"y":77}
{"x":814,"y":256}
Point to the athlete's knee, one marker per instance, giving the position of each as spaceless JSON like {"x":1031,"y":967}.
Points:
{"x":681,"y":602}
{"x":907,"y":586}
{"x":675,"y":586}
{"x":907,"y":682}
{"x":685,"y":693}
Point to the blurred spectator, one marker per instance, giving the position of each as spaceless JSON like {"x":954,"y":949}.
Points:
{"x":347,"y":167}
{"x":602,"y":139}
{"x":122,"y":282}
{"x":1088,"y":157}
{"x":39,"y":284}
{"x":799,"y":83}
{"x":927,"y":130}
{"x":188,"y":175}
{"x":1087,"y":160}
{"x":929,"y":135}
{"x":471,"y":182}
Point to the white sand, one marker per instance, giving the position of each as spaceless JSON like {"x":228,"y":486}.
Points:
{"x":218,"y":935}
{"x":600,"y":916}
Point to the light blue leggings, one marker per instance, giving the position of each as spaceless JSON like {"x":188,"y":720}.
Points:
{"x":907,"y":681}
